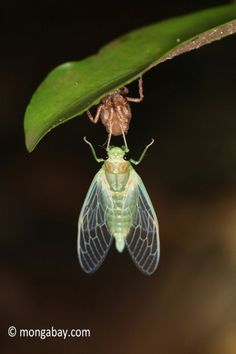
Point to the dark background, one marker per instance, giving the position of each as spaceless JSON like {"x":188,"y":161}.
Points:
{"x":188,"y":305}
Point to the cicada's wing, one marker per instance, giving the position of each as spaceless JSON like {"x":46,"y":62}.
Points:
{"x":94,"y":239}
{"x":143,"y":238}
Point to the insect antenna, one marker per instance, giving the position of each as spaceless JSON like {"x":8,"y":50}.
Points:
{"x":102,"y":146}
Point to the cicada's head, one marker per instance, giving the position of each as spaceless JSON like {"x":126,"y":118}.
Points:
{"x":115,"y":152}
{"x":116,"y":162}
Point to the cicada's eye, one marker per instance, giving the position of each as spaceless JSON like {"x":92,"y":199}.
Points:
{"x":106,"y":157}
{"x":127,"y":157}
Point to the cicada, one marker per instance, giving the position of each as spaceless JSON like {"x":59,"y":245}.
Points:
{"x":117,"y":206}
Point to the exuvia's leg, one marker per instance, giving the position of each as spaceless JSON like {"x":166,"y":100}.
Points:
{"x":110,"y":122}
{"x":141,"y":96}
{"x":109,"y":136}
{"x":136,"y":162}
{"x":125,"y":142}
{"x":121,"y":118}
{"x":93,"y":151}
{"x":95,"y":119}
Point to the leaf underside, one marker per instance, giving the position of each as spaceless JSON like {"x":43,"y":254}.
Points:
{"x":72,"y":88}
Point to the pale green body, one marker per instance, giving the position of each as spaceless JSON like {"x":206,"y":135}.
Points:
{"x":118,"y":207}
{"x":119,"y":198}
{"x":119,"y":192}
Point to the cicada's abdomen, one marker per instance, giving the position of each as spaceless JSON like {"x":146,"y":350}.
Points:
{"x":119,"y":219}
{"x":121,"y":208}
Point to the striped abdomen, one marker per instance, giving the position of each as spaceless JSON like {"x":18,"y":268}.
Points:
{"x":119,"y":216}
{"x":121,"y":203}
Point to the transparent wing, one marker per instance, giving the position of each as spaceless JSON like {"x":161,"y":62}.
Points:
{"x":94,"y":239}
{"x":143,"y":238}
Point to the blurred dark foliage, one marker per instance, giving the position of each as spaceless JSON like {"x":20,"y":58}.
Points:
{"x":189,"y":304}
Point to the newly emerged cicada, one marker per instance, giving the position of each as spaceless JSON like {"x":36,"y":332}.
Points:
{"x":117,"y":206}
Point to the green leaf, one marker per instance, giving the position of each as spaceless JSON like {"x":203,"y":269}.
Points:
{"x":72,"y":88}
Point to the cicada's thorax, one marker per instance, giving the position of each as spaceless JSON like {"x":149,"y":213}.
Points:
{"x":117,"y":115}
{"x":121,"y":204}
{"x":117,"y":174}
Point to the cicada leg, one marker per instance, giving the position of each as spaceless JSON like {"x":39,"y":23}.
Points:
{"x":136,"y":162}
{"x":93,"y":151}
